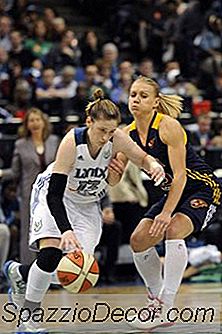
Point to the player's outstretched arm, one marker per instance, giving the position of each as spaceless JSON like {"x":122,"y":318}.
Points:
{"x":123,"y":143}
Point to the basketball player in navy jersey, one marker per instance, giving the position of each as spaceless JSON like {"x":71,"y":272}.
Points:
{"x":65,"y":210}
{"x":192,"y":194}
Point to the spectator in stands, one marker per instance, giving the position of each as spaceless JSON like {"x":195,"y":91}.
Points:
{"x":67,"y":52}
{"x":151,"y":32}
{"x":110,"y":55}
{"x":209,"y":42}
{"x":29,"y":16}
{"x":214,"y":92}
{"x":45,"y":86}
{"x":126,"y":67}
{"x":92,"y":79}
{"x":4,"y":74}
{"x":200,"y":138}
{"x":216,"y":141}
{"x":105,"y":75}
{"x":49,"y":14}
{"x":90,"y":49}
{"x":146,"y":68}
{"x":33,"y":152}
{"x":39,"y":44}
{"x":18,"y":52}
{"x":79,"y":103}
{"x":189,"y":24}
{"x":65,"y":84}
{"x":66,"y":88}
{"x":47,"y":97}
{"x":58,"y":28}
{"x":163,"y":79}
{"x":15,"y":72}
{"x":120,"y":95}
{"x":22,"y":97}
{"x":34,"y":73}
{"x":5,"y":28}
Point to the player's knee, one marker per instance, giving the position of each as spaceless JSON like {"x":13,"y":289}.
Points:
{"x":173,"y":232}
{"x":136,"y":240}
{"x":49,"y":258}
{"x":139,"y":241}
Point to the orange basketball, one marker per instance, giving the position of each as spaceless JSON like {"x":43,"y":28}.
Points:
{"x":78,"y":271}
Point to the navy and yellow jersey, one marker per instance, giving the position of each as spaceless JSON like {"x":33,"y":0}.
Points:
{"x":199,"y":174}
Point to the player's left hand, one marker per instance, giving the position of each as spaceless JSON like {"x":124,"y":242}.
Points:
{"x":116,"y":168}
{"x":156,"y":172}
{"x":116,"y":165}
{"x":160,"y":225}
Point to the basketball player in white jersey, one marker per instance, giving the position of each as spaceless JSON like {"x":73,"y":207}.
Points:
{"x":65,"y":200}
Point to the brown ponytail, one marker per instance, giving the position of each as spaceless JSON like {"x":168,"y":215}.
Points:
{"x":102,"y":107}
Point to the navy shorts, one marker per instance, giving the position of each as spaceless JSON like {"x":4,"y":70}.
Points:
{"x":198,"y":206}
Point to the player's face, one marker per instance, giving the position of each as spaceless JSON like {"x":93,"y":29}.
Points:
{"x":102,"y":131}
{"x":142,"y":99}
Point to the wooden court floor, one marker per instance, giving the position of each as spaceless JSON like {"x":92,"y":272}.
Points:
{"x":191,"y":297}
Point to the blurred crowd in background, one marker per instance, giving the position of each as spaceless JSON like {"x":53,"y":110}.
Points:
{"x":54,"y":53}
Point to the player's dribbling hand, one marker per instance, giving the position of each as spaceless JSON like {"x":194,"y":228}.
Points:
{"x":69,"y":241}
{"x":156,"y":172}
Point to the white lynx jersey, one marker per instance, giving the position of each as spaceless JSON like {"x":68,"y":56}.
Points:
{"x":86,"y":181}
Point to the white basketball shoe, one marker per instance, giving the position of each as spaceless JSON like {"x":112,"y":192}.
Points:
{"x":30,"y":327}
{"x":153,"y":315}
{"x":17,"y":288}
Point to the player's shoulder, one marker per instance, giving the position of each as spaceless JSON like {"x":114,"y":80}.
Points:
{"x":170,"y":130}
{"x":168,"y":122}
{"x":68,"y":139}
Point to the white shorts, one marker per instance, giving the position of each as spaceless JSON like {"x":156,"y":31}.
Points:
{"x":85,"y":220}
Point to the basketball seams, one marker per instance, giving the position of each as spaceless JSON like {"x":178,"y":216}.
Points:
{"x":77,"y":264}
{"x":81,"y":267}
{"x":93,"y":270}
{"x":86,"y":281}
{"x":61,"y":276}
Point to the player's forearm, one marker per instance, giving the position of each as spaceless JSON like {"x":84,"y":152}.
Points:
{"x":175,"y":193}
{"x":55,"y":203}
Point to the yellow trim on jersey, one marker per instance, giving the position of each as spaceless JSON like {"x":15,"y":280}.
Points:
{"x":157,"y":120}
{"x":133,"y":126}
{"x":184,"y":136}
{"x":156,"y":125}
{"x":207,"y":179}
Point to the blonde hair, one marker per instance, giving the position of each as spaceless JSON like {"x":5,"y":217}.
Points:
{"x":168,"y":104}
{"x":24,"y":131}
{"x":102,"y":107}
